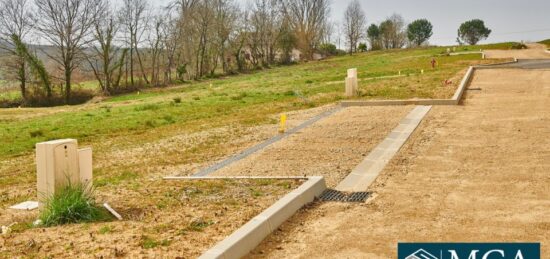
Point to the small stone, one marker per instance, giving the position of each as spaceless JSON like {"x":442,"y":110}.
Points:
{"x":6,"y":230}
{"x":37,"y":223}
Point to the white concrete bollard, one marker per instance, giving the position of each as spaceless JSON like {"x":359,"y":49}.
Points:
{"x":351,"y":82}
{"x":60,"y":162}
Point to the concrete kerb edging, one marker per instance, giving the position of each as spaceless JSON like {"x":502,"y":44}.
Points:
{"x":250,"y":235}
{"x":455,"y":100}
{"x":364,"y":174}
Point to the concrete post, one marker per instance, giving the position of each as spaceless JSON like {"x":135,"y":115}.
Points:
{"x":351,"y":83}
{"x":85,"y":166}
{"x":58,"y":163}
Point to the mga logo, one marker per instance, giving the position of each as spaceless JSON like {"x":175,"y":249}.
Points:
{"x":468,"y":251}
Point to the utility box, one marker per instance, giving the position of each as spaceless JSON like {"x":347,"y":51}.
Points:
{"x":60,"y":162}
{"x":351,"y":83}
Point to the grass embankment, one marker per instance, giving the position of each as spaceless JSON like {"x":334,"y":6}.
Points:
{"x":250,"y":99}
{"x":546,"y":42}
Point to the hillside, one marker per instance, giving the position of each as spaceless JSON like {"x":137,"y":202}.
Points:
{"x":214,"y":111}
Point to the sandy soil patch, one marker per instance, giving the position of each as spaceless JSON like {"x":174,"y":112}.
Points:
{"x":169,"y":218}
{"x":534,"y":51}
{"x":472,"y":173}
{"x":330,"y":148}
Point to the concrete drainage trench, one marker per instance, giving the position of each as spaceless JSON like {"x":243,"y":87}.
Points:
{"x":331,"y":195}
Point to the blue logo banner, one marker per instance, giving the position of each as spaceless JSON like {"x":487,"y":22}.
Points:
{"x":468,"y":251}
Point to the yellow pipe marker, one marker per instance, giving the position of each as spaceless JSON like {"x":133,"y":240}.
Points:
{"x":282,"y":128}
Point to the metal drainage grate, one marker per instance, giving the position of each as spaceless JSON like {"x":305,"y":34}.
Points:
{"x":334,"y":195}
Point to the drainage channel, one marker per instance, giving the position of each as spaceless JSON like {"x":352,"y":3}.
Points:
{"x":339,"y":196}
{"x":258,"y":147}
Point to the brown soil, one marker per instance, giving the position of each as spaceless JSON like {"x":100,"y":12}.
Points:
{"x":168,"y":218}
{"x":181,"y":154}
{"x":330,"y":148}
{"x":534,"y":51}
{"x":471,"y":173}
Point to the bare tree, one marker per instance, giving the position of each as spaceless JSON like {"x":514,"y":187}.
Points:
{"x":240,"y":40}
{"x":265,"y":23}
{"x":17,"y":21}
{"x":392,"y":32}
{"x":66,"y":24}
{"x":226,"y":17}
{"x":105,"y":58}
{"x":133,"y":17}
{"x":354,"y":25}
{"x":156,"y":46}
{"x":308,"y":19}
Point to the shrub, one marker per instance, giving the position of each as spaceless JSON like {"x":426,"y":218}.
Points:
{"x":177,"y":99}
{"x":40,"y":99}
{"x":328,"y":49}
{"x":362,"y":47}
{"x":72,"y":204}
{"x":519,"y":46}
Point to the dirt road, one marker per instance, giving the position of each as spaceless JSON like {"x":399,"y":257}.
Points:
{"x":472,"y":173}
{"x":534,"y":51}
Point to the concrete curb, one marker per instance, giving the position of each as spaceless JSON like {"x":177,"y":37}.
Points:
{"x":455,"y":100}
{"x":492,"y":66}
{"x":367,"y":171}
{"x":232,"y":177}
{"x":246,"y":238}
{"x":465,"y":53}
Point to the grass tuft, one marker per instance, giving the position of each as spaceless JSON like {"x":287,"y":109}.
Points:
{"x":36,"y":133}
{"x":150,"y":243}
{"x":72,"y":204}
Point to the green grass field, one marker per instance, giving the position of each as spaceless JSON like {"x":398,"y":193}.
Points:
{"x":247,"y":99}
{"x":241,"y":101}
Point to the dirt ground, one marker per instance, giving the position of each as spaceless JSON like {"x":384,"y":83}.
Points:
{"x":534,"y":51}
{"x":182,"y":154}
{"x":471,"y":173}
{"x":330,"y":148}
{"x":169,"y":218}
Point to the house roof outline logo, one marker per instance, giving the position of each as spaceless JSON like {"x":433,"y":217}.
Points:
{"x":421,"y":254}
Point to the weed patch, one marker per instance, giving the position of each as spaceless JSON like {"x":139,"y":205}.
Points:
{"x":72,"y":204}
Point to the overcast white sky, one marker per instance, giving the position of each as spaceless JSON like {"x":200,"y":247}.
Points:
{"x":510,"y":20}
